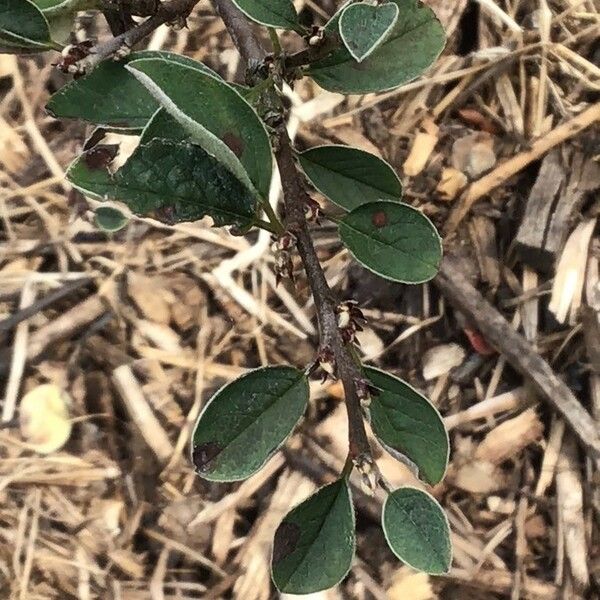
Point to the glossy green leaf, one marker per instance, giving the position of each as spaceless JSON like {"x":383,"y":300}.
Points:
{"x":218,"y":118}
{"x":364,"y":27}
{"x":110,"y":219}
{"x":244,"y":423}
{"x":406,"y":422}
{"x":411,"y":47}
{"x":111,"y":96}
{"x":350,"y":177}
{"x":274,"y":13}
{"x":393,"y":240}
{"x":168,"y":181}
{"x":23,"y":27}
{"x":314,"y":544}
{"x":417,"y":531}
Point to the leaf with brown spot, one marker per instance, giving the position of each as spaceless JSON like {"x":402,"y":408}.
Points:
{"x":314,"y":544}
{"x":215,"y":115}
{"x":203,"y":454}
{"x":234,"y":143}
{"x":393,"y":240}
{"x":379,"y":219}
{"x":247,"y":421}
{"x":99,"y":157}
{"x":285,"y":541}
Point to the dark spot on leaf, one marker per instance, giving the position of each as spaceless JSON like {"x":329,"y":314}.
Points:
{"x":379,"y":219}
{"x":234,"y":143}
{"x":204,"y":454}
{"x":99,"y":157}
{"x":286,"y":540}
{"x":94,"y":139}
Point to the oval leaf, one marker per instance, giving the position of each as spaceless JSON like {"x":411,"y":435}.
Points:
{"x":350,"y":177}
{"x":218,"y":118}
{"x":168,"y":181}
{"x":393,"y":240}
{"x":111,"y":96}
{"x":364,"y":27}
{"x":412,"y":46}
{"x":417,"y":531}
{"x":405,"y":421}
{"x":274,"y":13}
{"x":110,"y":219}
{"x":246,"y":421}
{"x":314,"y":544}
{"x":23,"y":26}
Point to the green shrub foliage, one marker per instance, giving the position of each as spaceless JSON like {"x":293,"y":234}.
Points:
{"x":206,"y":147}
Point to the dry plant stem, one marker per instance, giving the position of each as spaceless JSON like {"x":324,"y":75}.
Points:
{"x":167,"y":11}
{"x":519,"y":353}
{"x":348,"y":371}
{"x":295,"y":197}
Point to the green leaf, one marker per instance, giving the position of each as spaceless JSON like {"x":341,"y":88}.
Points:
{"x":412,"y":46}
{"x":417,"y":531}
{"x":273,"y":13}
{"x":406,"y":422}
{"x":23,"y":26}
{"x":110,"y":219}
{"x":111,"y":96}
{"x":364,"y":27}
{"x":393,"y":240}
{"x":314,"y":544}
{"x":168,"y":181}
{"x":350,"y":177}
{"x":218,"y":118}
{"x":246,"y":421}
{"x":165,"y":127}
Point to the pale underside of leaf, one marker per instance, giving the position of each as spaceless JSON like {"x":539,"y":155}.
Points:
{"x":110,"y":96}
{"x":213,"y":105}
{"x":364,"y":27}
{"x":412,"y":46}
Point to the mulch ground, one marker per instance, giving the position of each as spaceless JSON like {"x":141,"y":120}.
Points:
{"x":499,"y":146}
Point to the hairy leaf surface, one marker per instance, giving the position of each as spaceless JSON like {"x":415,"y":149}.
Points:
{"x":417,"y":531}
{"x":364,"y":27}
{"x":411,"y":47}
{"x":218,"y":118}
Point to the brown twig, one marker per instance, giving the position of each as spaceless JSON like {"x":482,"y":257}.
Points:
{"x":166,"y":12}
{"x":295,"y":198}
{"x":518,"y":352}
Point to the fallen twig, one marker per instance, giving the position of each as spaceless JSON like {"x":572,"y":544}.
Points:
{"x":519,"y":353}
